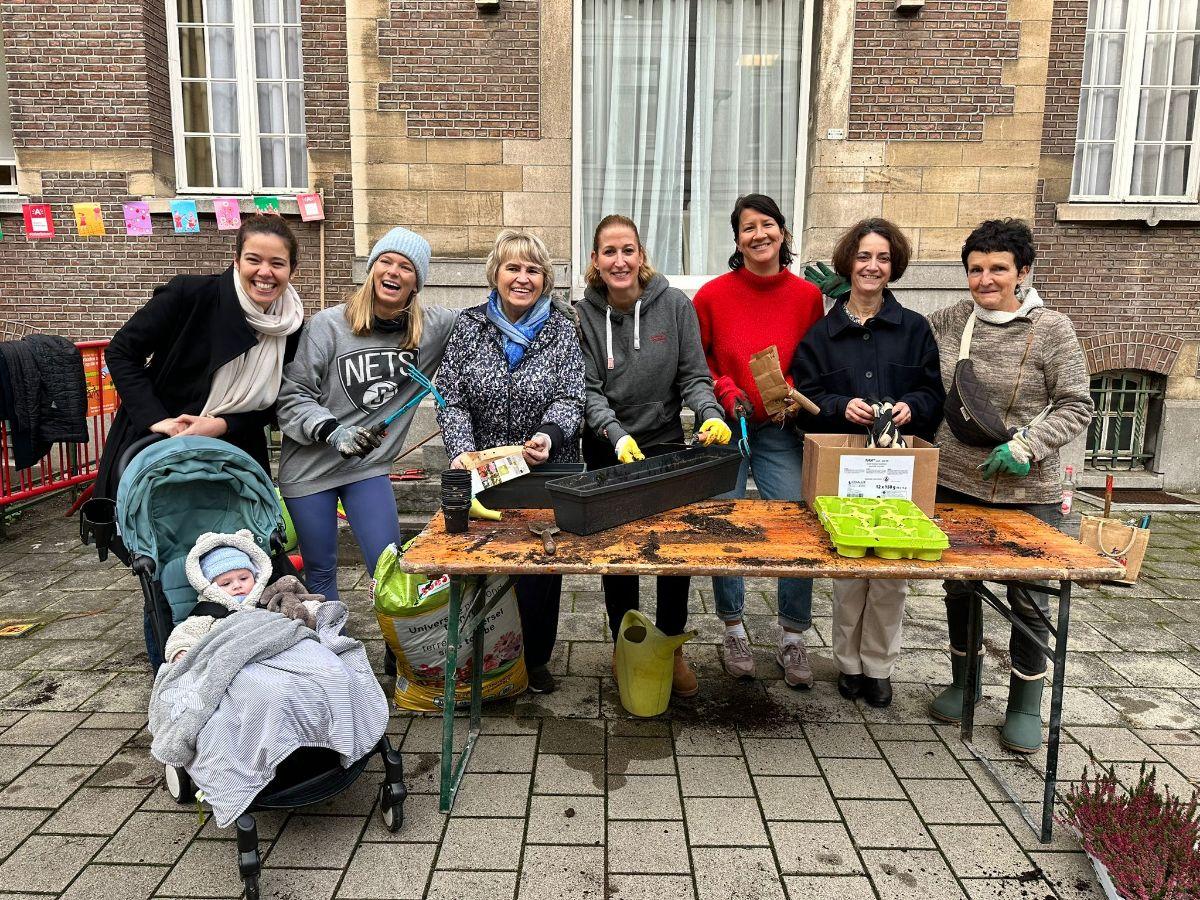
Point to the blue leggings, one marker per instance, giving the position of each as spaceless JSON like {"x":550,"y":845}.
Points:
{"x":371,"y":508}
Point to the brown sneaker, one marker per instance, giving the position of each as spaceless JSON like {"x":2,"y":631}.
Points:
{"x":793,"y":659}
{"x":738,"y":660}
{"x":683,"y":679}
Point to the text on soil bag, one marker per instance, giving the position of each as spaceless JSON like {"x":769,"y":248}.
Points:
{"x":876,"y":476}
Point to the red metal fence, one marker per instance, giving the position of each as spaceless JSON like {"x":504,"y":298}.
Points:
{"x":66,"y":465}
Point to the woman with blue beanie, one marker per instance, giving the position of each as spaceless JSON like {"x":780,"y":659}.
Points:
{"x":350,"y":370}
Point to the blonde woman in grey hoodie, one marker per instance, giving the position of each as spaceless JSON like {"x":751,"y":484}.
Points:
{"x":642,"y":361}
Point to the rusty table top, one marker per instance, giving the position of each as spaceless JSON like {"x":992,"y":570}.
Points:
{"x":755,"y":537}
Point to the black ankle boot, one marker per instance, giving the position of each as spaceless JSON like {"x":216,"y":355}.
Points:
{"x":877,"y":691}
{"x":849,"y":686}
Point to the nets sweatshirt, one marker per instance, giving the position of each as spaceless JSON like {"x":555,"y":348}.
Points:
{"x":340,"y":378}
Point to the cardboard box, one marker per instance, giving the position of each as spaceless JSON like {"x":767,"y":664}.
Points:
{"x":841,"y":465}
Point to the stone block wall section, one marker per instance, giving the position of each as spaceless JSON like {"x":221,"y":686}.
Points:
{"x":933,"y":76}
{"x":91,"y":120}
{"x":515,"y":169}
{"x":461,"y":73}
{"x":1130,"y":288}
{"x":942,"y":185}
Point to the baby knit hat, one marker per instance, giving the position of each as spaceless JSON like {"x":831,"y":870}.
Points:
{"x":408,"y":243}
{"x":224,"y":559}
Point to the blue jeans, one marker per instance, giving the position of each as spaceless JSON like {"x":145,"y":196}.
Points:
{"x":775,"y":459}
{"x":370,"y":507}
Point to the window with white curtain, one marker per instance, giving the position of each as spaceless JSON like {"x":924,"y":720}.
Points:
{"x":1137,"y":134}
{"x":238,"y":95}
{"x":8,"y":156}
{"x":686,"y":105}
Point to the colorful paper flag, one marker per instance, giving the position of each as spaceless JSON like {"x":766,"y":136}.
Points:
{"x":268,"y":206}
{"x":137,"y":219}
{"x":311,"y":207}
{"x":39,"y":223}
{"x":185,"y":217}
{"x":1,"y":231}
{"x":89,"y":220}
{"x":229,"y":216}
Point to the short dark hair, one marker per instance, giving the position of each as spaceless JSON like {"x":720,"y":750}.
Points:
{"x":760,"y":203}
{"x":847,"y":246}
{"x":998,"y":236}
{"x":275,"y":225}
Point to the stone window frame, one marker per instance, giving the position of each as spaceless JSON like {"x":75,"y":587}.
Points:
{"x":1132,"y":396}
{"x":1147,"y":208}
{"x":250,"y":164}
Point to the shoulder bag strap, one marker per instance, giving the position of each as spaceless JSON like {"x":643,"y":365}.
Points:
{"x":964,"y":344}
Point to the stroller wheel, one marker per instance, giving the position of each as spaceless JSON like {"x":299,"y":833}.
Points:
{"x":179,"y":785}
{"x":252,"y":887}
{"x":391,"y":809}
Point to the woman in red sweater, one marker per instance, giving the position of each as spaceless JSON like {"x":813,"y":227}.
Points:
{"x":757,"y":304}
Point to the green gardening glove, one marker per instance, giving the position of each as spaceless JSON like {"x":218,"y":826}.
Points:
{"x":830,"y":282}
{"x":1008,"y":459}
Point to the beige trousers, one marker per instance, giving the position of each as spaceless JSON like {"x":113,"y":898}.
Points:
{"x":868,"y":615}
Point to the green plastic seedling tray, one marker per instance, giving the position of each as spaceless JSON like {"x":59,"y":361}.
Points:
{"x":889,"y":528}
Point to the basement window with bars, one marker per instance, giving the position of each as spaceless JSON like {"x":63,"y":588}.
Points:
{"x":8,"y":156}
{"x":1124,"y":429}
{"x":237,"y":88}
{"x":1137,"y":136}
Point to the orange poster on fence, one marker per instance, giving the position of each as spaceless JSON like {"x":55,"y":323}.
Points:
{"x":101,"y":393}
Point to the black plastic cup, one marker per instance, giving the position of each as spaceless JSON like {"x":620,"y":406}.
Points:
{"x":98,"y":524}
{"x":458,"y":517}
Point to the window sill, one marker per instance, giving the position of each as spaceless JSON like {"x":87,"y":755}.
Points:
{"x":204,"y":204}
{"x":12,"y":203}
{"x":1150,"y":213}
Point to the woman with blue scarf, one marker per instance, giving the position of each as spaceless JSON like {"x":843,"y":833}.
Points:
{"x":513,"y":375}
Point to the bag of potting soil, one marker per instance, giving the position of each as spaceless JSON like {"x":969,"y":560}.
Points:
{"x":412,"y":611}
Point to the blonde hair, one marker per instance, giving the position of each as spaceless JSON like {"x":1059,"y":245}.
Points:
{"x":513,"y":244}
{"x":360,"y":313}
{"x":645,"y":271}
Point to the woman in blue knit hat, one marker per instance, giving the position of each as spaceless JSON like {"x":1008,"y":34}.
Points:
{"x":350,"y":371}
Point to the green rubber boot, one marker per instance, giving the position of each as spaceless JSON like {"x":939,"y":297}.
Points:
{"x":947,"y":706}
{"x":1022,"y":730}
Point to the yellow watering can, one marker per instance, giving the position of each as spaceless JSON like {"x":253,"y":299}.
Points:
{"x":645,"y":660}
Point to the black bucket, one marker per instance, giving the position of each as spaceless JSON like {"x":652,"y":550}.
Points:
{"x":98,"y":524}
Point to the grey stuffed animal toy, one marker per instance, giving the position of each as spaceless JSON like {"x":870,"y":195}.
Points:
{"x":289,"y":596}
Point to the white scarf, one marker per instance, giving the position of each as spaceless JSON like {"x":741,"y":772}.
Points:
{"x":1030,"y":302}
{"x":250,"y":382}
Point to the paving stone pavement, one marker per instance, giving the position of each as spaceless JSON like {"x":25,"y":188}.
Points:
{"x":750,"y":790}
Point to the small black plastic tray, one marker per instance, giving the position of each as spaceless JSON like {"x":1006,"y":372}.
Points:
{"x":605,"y":498}
{"x":528,"y":491}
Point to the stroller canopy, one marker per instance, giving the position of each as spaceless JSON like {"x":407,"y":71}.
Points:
{"x":177,"y":489}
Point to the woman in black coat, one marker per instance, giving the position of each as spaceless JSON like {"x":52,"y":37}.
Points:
{"x":216,"y":346}
{"x":868,"y":351}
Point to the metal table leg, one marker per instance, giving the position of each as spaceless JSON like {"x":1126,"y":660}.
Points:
{"x":1056,"y":702}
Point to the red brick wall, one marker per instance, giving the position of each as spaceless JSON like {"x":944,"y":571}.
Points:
{"x":459,"y":72}
{"x":1130,"y":289}
{"x":326,"y":77}
{"x":933,"y":76}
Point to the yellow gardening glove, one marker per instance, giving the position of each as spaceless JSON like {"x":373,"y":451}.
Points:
{"x":714,"y":431}
{"x":479,"y":511}
{"x":628,"y":450}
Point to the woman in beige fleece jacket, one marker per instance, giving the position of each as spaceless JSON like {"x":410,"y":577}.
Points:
{"x":1028,"y":358}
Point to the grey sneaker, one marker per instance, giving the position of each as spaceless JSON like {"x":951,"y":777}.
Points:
{"x":793,"y":659}
{"x":739,"y":661}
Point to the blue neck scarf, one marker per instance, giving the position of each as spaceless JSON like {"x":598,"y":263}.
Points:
{"x":520,"y":334}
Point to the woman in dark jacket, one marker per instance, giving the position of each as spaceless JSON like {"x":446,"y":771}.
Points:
{"x":869,"y":351}
{"x":513,"y":375}
{"x":216,"y":346}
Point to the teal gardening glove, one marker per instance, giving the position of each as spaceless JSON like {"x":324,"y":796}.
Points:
{"x":830,"y":282}
{"x":1012,"y":458}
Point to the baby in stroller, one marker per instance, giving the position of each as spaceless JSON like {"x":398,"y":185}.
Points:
{"x":230,"y":574}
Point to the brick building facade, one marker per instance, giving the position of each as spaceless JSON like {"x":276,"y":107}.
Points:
{"x":458,"y":120}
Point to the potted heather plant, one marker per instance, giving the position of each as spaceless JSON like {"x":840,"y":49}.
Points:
{"x":1144,"y":844}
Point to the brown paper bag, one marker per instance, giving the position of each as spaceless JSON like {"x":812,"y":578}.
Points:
{"x":773,"y":387}
{"x":1123,"y":544}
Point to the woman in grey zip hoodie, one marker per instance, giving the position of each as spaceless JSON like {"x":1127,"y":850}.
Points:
{"x":642,"y":361}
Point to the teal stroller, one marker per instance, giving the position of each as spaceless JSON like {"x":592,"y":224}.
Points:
{"x":170,"y":492}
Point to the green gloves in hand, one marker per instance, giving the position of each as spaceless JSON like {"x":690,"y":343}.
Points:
{"x":1012,"y":458}
{"x":830,"y":282}
{"x":628,"y":450}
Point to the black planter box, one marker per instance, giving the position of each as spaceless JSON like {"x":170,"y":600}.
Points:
{"x":604,"y":498}
{"x":528,"y":491}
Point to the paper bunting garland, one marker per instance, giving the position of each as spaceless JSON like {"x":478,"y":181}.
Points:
{"x":137,"y":219}
{"x":39,"y":223}
{"x":229,"y":216}
{"x":89,"y":220}
{"x":311,"y":207}
{"x":268,"y":206}
{"x":185,"y":217}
